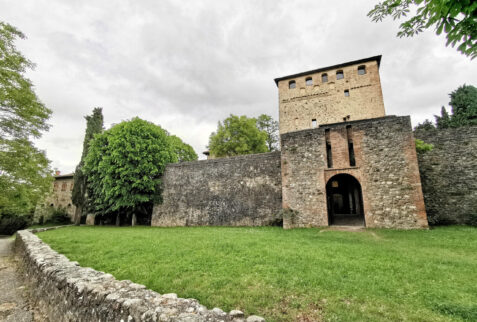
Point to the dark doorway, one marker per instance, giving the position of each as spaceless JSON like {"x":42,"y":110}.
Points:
{"x":345,"y":201}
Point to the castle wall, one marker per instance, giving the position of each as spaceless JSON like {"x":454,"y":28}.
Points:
{"x":59,"y":198}
{"x":326,"y":101}
{"x":449,"y":175}
{"x":236,"y":191}
{"x":386,"y":167}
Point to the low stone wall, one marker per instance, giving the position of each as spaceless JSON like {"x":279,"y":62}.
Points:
{"x":449,"y":175}
{"x":66,"y":291}
{"x":237,"y":191}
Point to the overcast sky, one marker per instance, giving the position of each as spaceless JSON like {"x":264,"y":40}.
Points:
{"x":188,"y":64}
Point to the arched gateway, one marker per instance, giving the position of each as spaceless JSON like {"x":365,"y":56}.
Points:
{"x":345,"y":201}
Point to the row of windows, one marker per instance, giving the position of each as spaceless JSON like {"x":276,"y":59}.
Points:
{"x":324,"y":77}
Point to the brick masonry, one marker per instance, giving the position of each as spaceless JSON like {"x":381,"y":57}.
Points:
{"x":449,"y":175}
{"x":236,"y":191}
{"x":326,"y":102}
{"x":386,"y":167}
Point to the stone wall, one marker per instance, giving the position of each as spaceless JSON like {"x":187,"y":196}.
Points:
{"x":65,"y":291}
{"x":386,"y":167}
{"x":237,"y":191}
{"x":449,"y":175}
{"x":326,"y":102}
{"x":58,"y":198}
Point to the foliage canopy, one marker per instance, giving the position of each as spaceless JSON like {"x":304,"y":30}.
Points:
{"x":267,"y":124}
{"x":94,"y":125}
{"x":456,"y":18}
{"x":25,"y":175}
{"x":124,"y":165}
{"x":237,"y":135}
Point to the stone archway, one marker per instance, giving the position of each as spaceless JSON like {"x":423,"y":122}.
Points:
{"x":345,"y":201}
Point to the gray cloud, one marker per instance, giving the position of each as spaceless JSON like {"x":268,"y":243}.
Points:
{"x":187,"y":65}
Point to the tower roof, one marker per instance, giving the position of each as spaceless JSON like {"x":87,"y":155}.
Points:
{"x":322,"y":69}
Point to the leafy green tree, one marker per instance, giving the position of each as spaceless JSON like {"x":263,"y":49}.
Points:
{"x":456,"y":18}
{"x":426,"y":125}
{"x":237,"y":135}
{"x":183,"y":150}
{"x":25,"y":175}
{"x":124,"y":166}
{"x":444,"y":120}
{"x":464,"y":106}
{"x":267,"y":124}
{"x":94,"y":125}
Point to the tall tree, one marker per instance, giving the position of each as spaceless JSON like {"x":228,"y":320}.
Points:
{"x":124,"y":166}
{"x":443,"y":121}
{"x":456,"y":18}
{"x":25,"y":175}
{"x":464,"y":106}
{"x":267,"y":124}
{"x":94,"y":125}
{"x":237,"y":135}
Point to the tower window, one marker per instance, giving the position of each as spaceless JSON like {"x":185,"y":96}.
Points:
{"x":291,"y":84}
{"x":339,"y":74}
{"x":346,"y":92}
{"x":324,"y":78}
{"x":309,"y":81}
{"x":361,"y":70}
{"x":314,"y":123}
{"x":349,"y":134}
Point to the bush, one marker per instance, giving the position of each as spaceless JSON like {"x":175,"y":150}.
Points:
{"x":59,"y":216}
{"x":9,"y":224}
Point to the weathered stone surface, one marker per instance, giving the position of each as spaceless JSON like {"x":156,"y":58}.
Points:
{"x":325,"y":101}
{"x":65,"y":291}
{"x":449,"y":175}
{"x":237,"y":191}
{"x":386,"y":167}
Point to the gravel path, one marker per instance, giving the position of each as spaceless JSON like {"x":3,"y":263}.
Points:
{"x":14,"y":305}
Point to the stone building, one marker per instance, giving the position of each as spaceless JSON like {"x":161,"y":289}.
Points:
{"x":342,"y":162}
{"x":59,"y":198}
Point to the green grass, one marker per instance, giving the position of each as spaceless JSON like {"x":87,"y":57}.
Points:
{"x":299,"y":274}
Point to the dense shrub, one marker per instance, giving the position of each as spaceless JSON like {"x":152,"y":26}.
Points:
{"x":10,"y":223}
{"x":59,"y":216}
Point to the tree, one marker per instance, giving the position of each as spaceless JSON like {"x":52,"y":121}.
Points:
{"x":443,"y":121}
{"x":464,"y":106}
{"x":124,"y":166}
{"x":270,"y":126}
{"x":456,"y":18}
{"x":183,"y":150}
{"x":25,"y":175}
{"x":94,"y":125}
{"x":426,"y":125}
{"x":237,"y":135}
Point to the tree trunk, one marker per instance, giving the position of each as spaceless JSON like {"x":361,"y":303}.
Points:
{"x":133,"y":221}
{"x":77,"y":216}
{"x":118,"y":219}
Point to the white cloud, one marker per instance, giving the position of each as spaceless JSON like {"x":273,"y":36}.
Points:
{"x":186,"y":65}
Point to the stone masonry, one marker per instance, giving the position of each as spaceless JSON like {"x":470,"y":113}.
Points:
{"x":65,"y":291}
{"x":237,"y":191}
{"x":386,"y":167}
{"x":325,"y":101}
{"x":449,"y":175}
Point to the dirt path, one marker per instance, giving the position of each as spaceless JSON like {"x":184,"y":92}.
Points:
{"x":13,"y":302}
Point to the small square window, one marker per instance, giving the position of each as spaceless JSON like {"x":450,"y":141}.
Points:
{"x":361,"y":70}
{"x":292,"y":84}
{"x":346,"y":92}
{"x":324,"y":78}
{"x":314,"y":123}
{"x":339,"y":74}
{"x":309,"y":81}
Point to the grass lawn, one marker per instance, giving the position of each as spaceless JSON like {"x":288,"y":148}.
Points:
{"x":289,"y":275}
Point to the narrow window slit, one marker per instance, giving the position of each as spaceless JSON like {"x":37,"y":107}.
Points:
{"x":329,"y":157}
{"x":349,"y":134}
